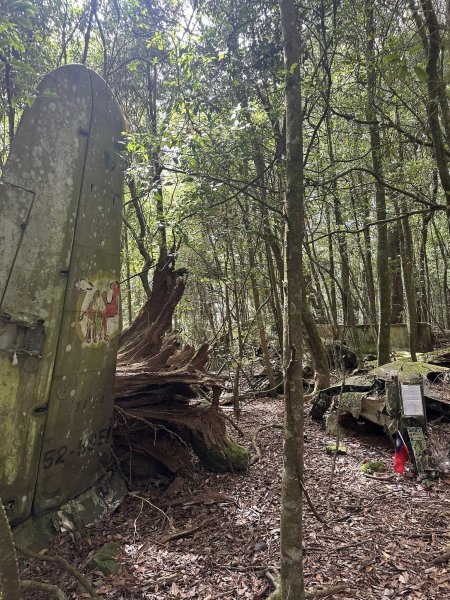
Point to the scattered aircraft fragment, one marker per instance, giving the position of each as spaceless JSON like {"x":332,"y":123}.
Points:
{"x":400,"y":395}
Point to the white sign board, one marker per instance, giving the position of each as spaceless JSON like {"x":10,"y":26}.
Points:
{"x":412,"y":400}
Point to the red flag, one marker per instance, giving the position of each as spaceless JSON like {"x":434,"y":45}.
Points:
{"x":401,"y":453}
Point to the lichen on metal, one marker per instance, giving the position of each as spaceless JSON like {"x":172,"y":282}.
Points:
{"x":351,"y":402}
{"x":60,"y":215}
{"x":418,"y":446}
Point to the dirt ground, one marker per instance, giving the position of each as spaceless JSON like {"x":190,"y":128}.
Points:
{"x":386,"y":537}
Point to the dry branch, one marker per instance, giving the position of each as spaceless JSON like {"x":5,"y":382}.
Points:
{"x":82,"y":580}
{"x":176,"y":535}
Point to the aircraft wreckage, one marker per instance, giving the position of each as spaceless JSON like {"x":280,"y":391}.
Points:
{"x":401,"y":395}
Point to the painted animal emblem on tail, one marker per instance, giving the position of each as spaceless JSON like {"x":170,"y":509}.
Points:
{"x":99,"y":310}
{"x":111,"y":307}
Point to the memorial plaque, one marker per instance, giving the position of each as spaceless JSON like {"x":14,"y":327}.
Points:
{"x":412,"y":400}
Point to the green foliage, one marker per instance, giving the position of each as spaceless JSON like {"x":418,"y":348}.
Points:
{"x":201,"y":85}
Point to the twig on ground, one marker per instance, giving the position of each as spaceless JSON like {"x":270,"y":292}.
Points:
{"x":176,"y":535}
{"x":162,"y":581}
{"x":82,"y":579}
{"x":134,"y":495}
{"x":322,"y":593}
{"x":202,"y":498}
{"x":390,"y":478}
{"x":310,"y":503}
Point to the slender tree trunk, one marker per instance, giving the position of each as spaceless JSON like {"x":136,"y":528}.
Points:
{"x":445,"y":290}
{"x":437,"y":98}
{"x":87,"y":35}
{"x":406,"y":254}
{"x":128,"y":273}
{"x":140,"y":238}
{"x":384,"y":299}
{"x":368,"y":262}
{"x":423,"y":265}
{"x":257,"y":304}
{"x":229,"y":336}
{"x":292,"y":582}
{"x":274,"y":295}
{"x":397,"y":304}
{"x":238,"y":316}
{"x":152,"y":108}
{"x":333,"y":298}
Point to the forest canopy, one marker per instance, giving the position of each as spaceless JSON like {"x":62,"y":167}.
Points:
{"x":202,"y":88}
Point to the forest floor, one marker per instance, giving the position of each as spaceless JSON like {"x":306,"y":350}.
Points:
{"x":384,"y":539}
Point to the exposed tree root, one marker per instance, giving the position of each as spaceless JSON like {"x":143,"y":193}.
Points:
{"x":82,"y":580}
{"x":45,"y":587}
{"x":258,"y":456}
{"x":274,"y":576}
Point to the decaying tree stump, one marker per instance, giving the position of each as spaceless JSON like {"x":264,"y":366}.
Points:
{"x":159,"y":417}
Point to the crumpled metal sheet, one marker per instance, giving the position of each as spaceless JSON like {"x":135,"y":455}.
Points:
{"x":352,"y":402}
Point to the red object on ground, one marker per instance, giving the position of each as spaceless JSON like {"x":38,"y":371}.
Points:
{"x":401,"y":453}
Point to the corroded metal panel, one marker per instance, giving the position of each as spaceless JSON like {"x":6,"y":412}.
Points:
{"x":61,"y":295}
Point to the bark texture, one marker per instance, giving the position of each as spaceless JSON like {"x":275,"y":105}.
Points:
{"x":384,"y":299}
{"x":292,"y":582}
{"x":156,"y":380}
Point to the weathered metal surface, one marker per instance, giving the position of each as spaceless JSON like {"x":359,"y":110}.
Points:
{"x":418,"y":447}
{"x":383,"y":382}
{"x":351,"y":402}
{"x":85,"y":509}
{"x":60,"y":210}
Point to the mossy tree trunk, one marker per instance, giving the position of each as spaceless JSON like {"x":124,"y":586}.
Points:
{"x":292,"y":582}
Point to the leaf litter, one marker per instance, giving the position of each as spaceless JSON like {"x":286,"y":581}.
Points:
{"x":215,"y":535}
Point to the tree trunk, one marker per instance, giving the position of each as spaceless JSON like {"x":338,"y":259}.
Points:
{"x":397,"y":307}
{"x":257,"y":304}
{"x":292,"y":582}
{"x":408,"y":282}
{"x":128,"y":274}
{"x":437,"y":99}
{"x":423,"y":264}
{"x":316,"y":348}
{"x":384,"y":299}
